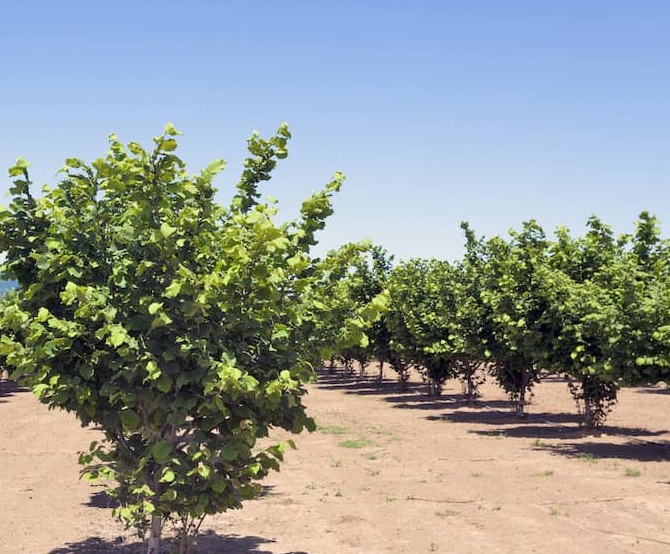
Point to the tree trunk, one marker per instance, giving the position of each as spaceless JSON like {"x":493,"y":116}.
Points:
{"x":381,"y":372}
{"x":521,"y":404}
{"x":589,"y":420}
{"x":470,"y":392}
{"x":403,"y":377}
{"x":155,"y":535}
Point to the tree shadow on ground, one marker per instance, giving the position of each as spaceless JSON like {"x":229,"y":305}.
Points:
{"x":446,"y":401}
{"x":638,"y":450}
{"x":541,"y":425}
{"x":366,"y":385}
{"x":486,"y":415}
{"x":97,"y":545}
{"x":209,"y":542}
{"x":531,"y":431}
{"x":100,"y":499}
{"x":10,"y":388}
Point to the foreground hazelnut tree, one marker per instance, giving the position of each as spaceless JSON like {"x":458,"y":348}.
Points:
{"x":183,"y":329}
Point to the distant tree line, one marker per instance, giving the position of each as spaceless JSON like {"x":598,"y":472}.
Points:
{"x":593,"y":308}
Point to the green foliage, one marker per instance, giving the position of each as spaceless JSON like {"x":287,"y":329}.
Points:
{"x":182,"y":328}
{"x":421,"y":318}
{"x":351,"y":288}
{"x":607,"y":298}
{"x":366,"y":285}
{"x":513,"y":293}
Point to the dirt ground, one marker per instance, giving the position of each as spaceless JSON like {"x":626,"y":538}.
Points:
{"x":384,"y":473}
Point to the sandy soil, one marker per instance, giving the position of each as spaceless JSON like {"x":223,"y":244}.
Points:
{"x":385,"y":473}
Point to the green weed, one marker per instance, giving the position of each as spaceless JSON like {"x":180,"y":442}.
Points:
{"x":355,"y":443}
{"x":332,"y":429}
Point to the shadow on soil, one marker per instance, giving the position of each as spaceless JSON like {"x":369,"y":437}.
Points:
{"x":10,"y":388}
{"x":101,"y":499}
{"x":353,"y":384}
{"x":641,"y":451}
{"x":455,"y":408}
{"x":208,"y":543}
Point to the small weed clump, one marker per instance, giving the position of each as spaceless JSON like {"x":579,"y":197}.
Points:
{"x":356,"y":443}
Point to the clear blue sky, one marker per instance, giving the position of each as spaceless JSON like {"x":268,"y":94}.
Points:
{"x":488,"y":111}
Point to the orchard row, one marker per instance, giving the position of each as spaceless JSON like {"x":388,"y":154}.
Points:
{"x":595,"y":308}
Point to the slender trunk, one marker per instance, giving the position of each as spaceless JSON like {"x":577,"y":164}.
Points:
{"x":381,"y":372}
{"x":402,"y":381}
{"x":521,"y":405}
{"x":155,"y":535}
{"x":470,"y":394}
{"x":589,"y":421}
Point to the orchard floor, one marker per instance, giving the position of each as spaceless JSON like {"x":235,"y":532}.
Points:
{"x":384,"y":473}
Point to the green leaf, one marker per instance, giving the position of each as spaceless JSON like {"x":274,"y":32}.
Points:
{"x":161,"y":451}
{"x":169,"y":495}
{"x":168,"y":476}
{"x":229,"y":452}
{"x":153,"y":370}
{"x":164,"y":384}
{"x":19,"y":168}
{"x":154,"y":307}
{"x":117,"y":335}
{"x":168,"y":145}
{"x":167,"y":230}
{"x":171,"y":130}
{"x":217,"y":166}
{"x":129,"y":418}
{"x":173,"y":289}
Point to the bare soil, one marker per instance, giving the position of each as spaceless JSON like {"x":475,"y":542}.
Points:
{"x":385,"y":473}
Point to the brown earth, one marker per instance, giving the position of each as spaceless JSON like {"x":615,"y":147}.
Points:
{"x":385,"y":473}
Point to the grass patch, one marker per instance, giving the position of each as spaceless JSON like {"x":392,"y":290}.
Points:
{"x":632,"y":472}
{"x":545,"y":473}
{"x":356,"y":443}
{"x":589,"y":458}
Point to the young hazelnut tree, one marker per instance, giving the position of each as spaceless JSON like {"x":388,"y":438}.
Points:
{"x":179,"y":327}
